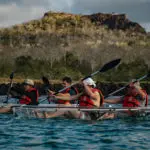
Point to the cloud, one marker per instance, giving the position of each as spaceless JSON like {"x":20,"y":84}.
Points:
{"x":12,"y":13}
{"x":18,"y":11}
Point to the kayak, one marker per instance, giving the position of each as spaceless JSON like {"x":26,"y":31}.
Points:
{"x":103,"y":113}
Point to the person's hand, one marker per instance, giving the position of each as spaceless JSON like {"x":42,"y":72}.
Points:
{"x":51,"y":92}
{"x":52,"y":97}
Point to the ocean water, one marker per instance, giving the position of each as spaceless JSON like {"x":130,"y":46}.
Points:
{"x":60,"y":133}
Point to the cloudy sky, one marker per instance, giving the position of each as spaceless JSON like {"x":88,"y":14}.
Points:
{"x":18,"y":11}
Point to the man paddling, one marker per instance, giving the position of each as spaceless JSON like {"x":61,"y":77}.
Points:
{"x":89,"y":98}
{"x":66,"y":81}
{"x":135,"y":97}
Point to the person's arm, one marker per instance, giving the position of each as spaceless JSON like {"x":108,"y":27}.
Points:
{"x":74,"y":97}
{"x":140,"y":92}
{"x":113,"y":101}
{"x":63,"y":94}
{"x":59,"y":94}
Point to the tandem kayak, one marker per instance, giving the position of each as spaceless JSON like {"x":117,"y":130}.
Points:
{"x":104,"y":113}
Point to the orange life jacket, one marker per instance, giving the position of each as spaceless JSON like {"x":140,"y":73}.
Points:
{"x":27,"y":99}
{"x":67,"y":91}
{"x":132,"y":101}
{"x":85,"y":100}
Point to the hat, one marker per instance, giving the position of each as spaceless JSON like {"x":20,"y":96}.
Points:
{"x":28,"y":82}
{"x":89,"y":81}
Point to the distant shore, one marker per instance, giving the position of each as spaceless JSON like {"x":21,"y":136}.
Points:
{"x":106,"y":87}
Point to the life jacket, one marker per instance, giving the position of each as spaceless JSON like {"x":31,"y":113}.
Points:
{"x":132,"y":101}
{"x":64,"y":92}
{"x":85,"y":100}
{"x":27,"y":100}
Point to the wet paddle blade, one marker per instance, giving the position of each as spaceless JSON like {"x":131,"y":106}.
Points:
{"x":106,"y":67}
{"x":110,"y":65}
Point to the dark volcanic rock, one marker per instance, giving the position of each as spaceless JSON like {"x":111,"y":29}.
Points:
{"x":115,"y":21}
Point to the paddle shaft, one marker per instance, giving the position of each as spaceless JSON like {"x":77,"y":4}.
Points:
{"x":105,"y":68}
{"x":10,"y":86}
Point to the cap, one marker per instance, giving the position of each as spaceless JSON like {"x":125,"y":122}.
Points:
{"x":28,"y":82}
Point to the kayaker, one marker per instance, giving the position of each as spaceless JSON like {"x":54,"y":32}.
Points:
{"x":66,"y":81}
{"x":30,"y":96}
{"x":91,"y":97}
{"x":134,"y":97}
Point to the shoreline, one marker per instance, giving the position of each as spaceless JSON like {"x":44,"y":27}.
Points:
{"x":105,"y":87}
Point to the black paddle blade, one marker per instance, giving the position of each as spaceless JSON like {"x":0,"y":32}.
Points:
{"x":110,"y":65}
{"x":11,"y":75}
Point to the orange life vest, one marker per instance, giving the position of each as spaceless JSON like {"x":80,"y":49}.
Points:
{"x":85,"y":100}
{"x":67,"y":91}
{"x":132,"y":101}
{"x":27,"y":99}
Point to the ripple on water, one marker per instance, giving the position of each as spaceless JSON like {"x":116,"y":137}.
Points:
{"x":40,"y":134}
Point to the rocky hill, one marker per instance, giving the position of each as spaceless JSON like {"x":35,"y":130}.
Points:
{"x":61,"y":44}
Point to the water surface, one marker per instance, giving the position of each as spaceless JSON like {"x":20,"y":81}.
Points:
{"x":59,"y":133}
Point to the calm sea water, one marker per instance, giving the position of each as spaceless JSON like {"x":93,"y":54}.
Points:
{"x":46,"y":134}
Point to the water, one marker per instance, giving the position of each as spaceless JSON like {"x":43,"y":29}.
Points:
{"x":59,"y":133}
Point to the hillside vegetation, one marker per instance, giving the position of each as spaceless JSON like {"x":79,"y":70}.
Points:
{"x":75,"y":45}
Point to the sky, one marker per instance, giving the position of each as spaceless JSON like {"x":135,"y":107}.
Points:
{"x":19,"y":11}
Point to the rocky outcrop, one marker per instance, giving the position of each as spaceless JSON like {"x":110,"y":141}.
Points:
{"x":115,"y":21}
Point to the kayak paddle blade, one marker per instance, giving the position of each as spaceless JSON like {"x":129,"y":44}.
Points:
{"x":11,"y":75}
{"x":110,"y":65}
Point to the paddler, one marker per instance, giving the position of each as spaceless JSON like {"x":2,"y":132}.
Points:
{"x":66,"y":82}
{"x":31,"y":95}
{"x":91,"y":97}
{"x":134,"y":97}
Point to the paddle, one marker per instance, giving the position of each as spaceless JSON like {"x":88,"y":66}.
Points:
{"x":104,"y":68}
{"x":10,"y":86}
{"x":143,"y":77}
